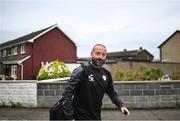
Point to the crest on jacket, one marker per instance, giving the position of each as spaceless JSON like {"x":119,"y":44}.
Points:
{"x":104,"y":77}
{"x":91,"y":78}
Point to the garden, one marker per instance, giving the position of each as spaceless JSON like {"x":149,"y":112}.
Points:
{"x":144,"y":73}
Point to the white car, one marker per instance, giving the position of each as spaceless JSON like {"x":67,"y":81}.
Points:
{"x":165,"y":77}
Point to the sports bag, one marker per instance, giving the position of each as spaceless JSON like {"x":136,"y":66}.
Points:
{"x":56,"y":111}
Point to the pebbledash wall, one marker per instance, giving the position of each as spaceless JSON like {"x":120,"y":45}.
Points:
{"x":18,"y":93}
{"x":135,"y":94}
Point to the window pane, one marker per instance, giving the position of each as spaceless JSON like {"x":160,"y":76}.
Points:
{"x":22,"y":48}
{"x":14,"y":71}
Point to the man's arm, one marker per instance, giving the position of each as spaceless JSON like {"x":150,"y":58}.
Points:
{"x":72,"y":84}
{"x":114,"y":97}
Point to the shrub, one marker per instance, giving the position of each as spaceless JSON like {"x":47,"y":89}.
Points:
{"x":55,"y":69}
{"x":175,"y":76}
{"x":140,"y":73}
{"x":120,"y":76}
{"x":125,"y":76}
{"x":143,"y":73}
{"x":9,"y":78}
{"x":153,"y":74}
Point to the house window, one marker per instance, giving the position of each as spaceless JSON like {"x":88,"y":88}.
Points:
{"x":4,"y":53}
{"x":14,"y":50}
{"x":22,"y":51}
{"x":9,"y":52}
{"x":148,"y":58}
{"x":14,"y":71}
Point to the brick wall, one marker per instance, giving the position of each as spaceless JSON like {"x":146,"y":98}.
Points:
{"x":150,"y":94}
{"x":49,"y":93}
{"x":135,"y":94}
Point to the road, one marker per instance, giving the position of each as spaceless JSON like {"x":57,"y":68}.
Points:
{"x":43,"y":114}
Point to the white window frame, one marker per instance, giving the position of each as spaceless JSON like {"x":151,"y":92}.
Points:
{"x":14,"y":50}
{"x":22,"y":50}
{"x":14,"y":71}
{"x":4,"y":53}
{"x":9,"y":52}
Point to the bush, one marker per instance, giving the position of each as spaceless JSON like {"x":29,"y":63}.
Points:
{"x":55,"y":69}
{"x":143,"y":73}
{"x":153,"y":74}
{"x":125,"y":76}
{"x":9,"y":78}
{"x":175,"y":76}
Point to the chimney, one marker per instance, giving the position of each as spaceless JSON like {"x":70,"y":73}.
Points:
{"x":125,"y":49}
{"x":140,"y":48}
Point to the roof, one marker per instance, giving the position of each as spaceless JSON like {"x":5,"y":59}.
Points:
{"x":14,"y":59}
{"x":177,"y":31}
{"x":29,"y":37}
{"x":127,"y":53}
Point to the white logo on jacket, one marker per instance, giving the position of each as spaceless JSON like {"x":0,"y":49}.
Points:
{"x":91,"y":78}
{"x":104,"y":77}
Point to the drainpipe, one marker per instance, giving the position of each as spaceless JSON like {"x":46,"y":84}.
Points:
{"x":21,"y":70}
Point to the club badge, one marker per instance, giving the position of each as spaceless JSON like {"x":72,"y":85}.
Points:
{"x":91,"y":78}
{"x":104,"y":77}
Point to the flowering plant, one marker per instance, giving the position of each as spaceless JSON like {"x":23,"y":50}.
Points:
{"x":54,"y":69}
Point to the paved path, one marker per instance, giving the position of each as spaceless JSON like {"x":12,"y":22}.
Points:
{"x":43,"y":114}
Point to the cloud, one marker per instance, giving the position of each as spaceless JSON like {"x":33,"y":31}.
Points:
{"x":117,"y":23}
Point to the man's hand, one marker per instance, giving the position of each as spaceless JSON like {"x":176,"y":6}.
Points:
{"x":125,"y":111}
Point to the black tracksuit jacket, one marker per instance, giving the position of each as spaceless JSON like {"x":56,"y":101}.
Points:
{"x":84,"y":92}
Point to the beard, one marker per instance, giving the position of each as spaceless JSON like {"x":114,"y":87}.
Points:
{"x":97,"y":62}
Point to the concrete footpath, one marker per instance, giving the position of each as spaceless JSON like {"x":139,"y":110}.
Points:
{"x":43,"y":114}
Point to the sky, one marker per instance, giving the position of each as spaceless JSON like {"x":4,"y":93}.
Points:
{"x":119,"y":24}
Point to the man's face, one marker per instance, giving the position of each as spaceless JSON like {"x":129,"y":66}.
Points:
{"x":98,"y":55}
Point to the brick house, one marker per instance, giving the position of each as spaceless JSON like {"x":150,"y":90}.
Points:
{"x":21,"y":58}
{"x":170,"y":48}
{"x":126,"y":55}
{"x":135,"y":55}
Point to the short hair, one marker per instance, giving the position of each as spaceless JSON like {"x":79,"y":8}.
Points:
{"x":98,"y":45}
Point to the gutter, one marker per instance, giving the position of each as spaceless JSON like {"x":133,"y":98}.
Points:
{"x":21,"y":70}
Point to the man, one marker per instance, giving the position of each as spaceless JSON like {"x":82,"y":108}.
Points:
{"x":85,"y":90}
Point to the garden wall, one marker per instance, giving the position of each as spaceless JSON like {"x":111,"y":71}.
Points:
{"x":18,"y":93}
{"x":152,"y":94}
